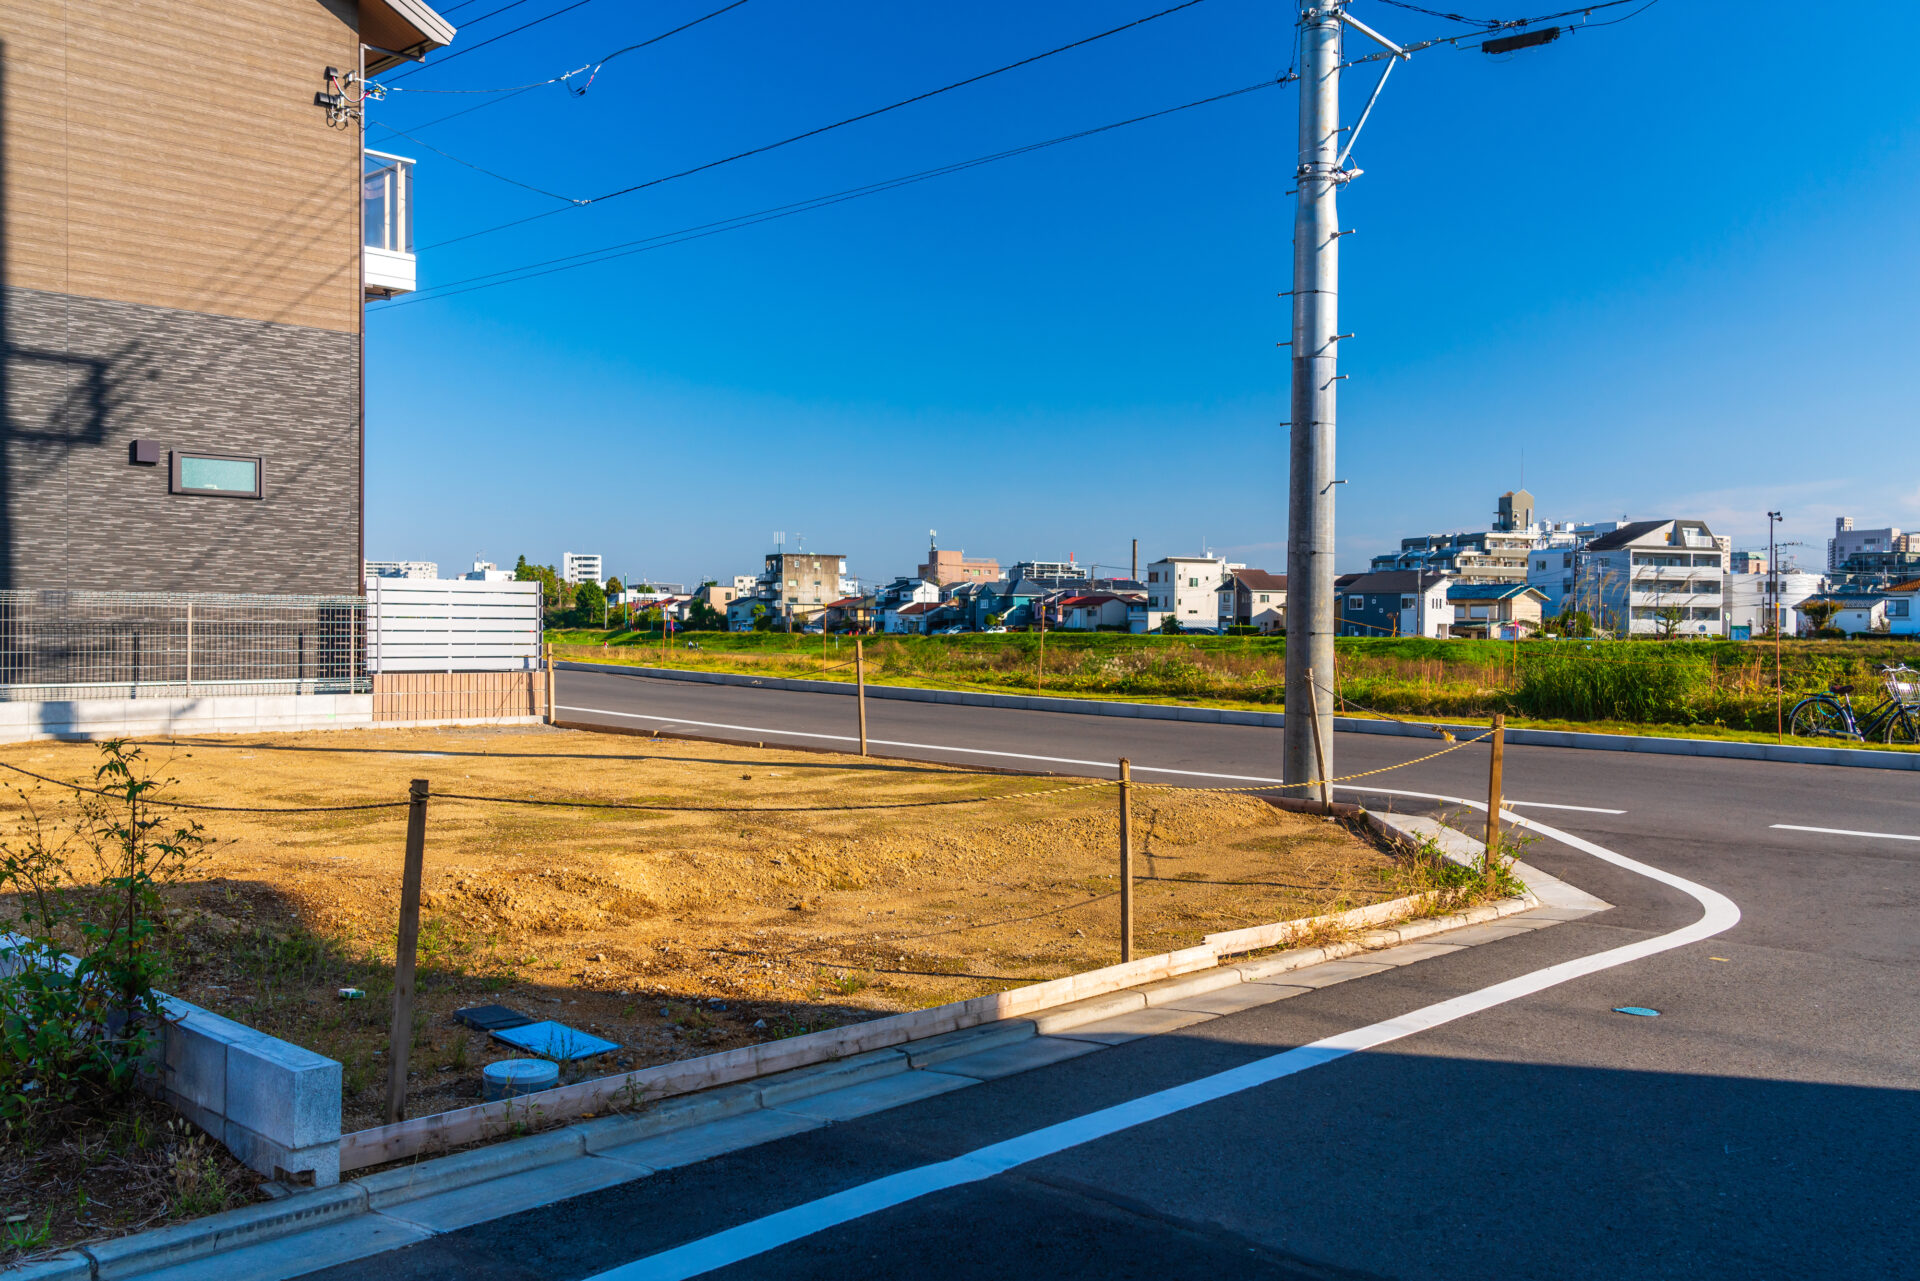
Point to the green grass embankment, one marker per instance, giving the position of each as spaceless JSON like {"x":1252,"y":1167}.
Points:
{"x":1717,"y":690}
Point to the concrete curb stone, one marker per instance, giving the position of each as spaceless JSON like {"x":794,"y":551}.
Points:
{"x":1783,"y":753}
{"x":689,"y":1128}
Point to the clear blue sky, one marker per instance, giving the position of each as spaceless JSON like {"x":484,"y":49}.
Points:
{"x":1672,"y":261}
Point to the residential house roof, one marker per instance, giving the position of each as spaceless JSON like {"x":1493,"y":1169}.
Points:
{"x":1491,"y":591}
{"x":400,"y":31}
{"x":920,"y":607}
{"x":1259,"y":580}
{"x":1391,"y":580}
{"x":1639,"y":529}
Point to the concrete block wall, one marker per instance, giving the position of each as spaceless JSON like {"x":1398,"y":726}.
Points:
{"x":274,"y":1104}
{"x":110,"y":718}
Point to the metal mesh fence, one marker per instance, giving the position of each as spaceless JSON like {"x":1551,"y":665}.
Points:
{"x":71,"y":645}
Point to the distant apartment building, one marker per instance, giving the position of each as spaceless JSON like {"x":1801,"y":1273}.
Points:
{"x":1187,"y":588}
{"x":1646,"y":578}
{"x":1848,"y":543}
{"x":945,"y":566}
{"x":1048,"y":573}
{"x":743,"y":584}
{"x":485,"y":571}
{"x":1747,"y":563}
{"x":1750,"y":600}
{"x":794,"y":587}
{"x":582,"y":567}
{"x":402,"y":569}
{"x":716,"y":596}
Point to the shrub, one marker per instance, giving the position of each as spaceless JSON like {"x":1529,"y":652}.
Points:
{"x":73,"y":1033}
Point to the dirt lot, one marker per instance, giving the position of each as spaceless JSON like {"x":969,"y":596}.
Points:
{"x":679,"y":933}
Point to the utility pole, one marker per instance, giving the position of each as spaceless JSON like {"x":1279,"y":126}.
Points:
{"x":1316,"y":314}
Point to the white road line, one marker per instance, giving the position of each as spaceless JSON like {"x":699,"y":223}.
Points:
{"x":1845,"y":831}
{"x":771,"y":1232}
{"x":1013,"y":756}
{"x":1549,"y":805}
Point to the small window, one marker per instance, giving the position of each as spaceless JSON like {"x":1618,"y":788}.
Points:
{"x":1263,"y":598}
{"x":225,"y":475}
{"x":1406,"y":602}
{"x":1193,"y":582}
{"x":1355,"y":604}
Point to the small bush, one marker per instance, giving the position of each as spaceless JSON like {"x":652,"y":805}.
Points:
{"x":74,"y":1033}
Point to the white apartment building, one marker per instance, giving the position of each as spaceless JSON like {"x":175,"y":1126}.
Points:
{"x":1750,"y":604}
{"x":485,"y":571}
{"x":1187,"y":587}
{"x":401,"y":568}
{"x":582,"y":567}
{"x":743,"y":584}
{"x":1848,"y":541}
{"x":1647,"y":578}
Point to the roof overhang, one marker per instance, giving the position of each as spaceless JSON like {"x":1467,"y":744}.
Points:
{"x":397,"y":31}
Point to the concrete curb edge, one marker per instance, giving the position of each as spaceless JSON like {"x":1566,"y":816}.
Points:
{"x":1792,"y":754}
{"x":143,"y":1252}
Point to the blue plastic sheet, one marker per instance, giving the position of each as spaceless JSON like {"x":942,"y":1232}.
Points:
{"x":552,"y":1040}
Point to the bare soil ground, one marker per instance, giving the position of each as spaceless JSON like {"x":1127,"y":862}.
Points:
{"x":764,"y":912}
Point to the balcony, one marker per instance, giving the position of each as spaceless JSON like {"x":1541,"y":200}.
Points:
{"x":386,"y":194}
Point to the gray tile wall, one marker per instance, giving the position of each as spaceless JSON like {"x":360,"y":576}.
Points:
{"x":81,"y":378}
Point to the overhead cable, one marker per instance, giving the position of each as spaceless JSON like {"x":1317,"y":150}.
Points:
{"x":590,"y":69}
{"x":1464,"y":39}
{"x":827,"y":128}
{"x":414,"y":71}
{"x":607,"y":253}
{"x":514,"y":182}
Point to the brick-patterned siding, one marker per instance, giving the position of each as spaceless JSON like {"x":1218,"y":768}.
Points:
{"x":82,"y":378}
{"x":434,"y":696}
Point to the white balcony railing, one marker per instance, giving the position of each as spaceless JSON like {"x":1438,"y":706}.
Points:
{"x":386,"y":194}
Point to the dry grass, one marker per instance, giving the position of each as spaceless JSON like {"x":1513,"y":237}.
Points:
{"x":680,"y":933}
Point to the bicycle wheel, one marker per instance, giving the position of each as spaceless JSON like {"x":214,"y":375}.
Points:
{"x":1902,"y":729}
{"x":1818,"y":717}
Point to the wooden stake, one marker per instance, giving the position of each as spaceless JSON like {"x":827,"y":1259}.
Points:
{"x":1041,"y":613}
{"x":1493,"y":793}
{"x":1126,"y":861}
{"x":550,"y":713}
{"x":400,"y":1037}
{"x":1319,"y":747}
{"x":860,"y":687}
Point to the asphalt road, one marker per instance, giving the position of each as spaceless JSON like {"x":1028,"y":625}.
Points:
{"x":1765,"y":1124}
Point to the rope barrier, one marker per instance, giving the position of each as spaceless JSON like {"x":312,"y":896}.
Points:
{"x":1316,"y":782}
{"x":761,"y":809}
{"x":224,"y":809}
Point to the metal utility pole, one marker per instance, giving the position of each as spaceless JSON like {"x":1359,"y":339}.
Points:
{"x":1316,"y":314}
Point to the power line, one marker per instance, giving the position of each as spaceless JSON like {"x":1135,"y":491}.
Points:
{"x":474,"y":22}
{"x":827,"y":128}
{"x":607,"y":253}
{"x":513,"y":182}
{"x":1456,"y":42}
{"x":591,"y":68}
{"x":412,"y":71}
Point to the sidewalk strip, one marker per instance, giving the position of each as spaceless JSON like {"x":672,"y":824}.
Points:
{"x":758,"y":1236}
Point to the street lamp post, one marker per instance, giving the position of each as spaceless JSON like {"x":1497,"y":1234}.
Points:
{"x":1773,"y":584}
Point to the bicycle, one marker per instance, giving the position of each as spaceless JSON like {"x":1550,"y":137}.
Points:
{"x":1831,"y":715}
